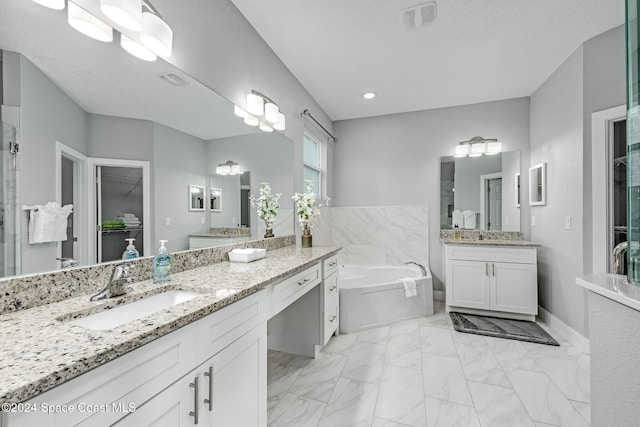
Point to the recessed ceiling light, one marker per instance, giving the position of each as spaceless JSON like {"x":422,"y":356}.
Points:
{"x":369,"y":95}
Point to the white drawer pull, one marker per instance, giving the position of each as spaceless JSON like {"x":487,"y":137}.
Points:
{"x":333,"y":263}
{"x":333,"y":318}
{"x":302,"y":282}
{"x":333,"y":288}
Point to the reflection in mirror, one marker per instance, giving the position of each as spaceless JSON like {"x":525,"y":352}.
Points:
{"x":196,"y":197}
{"x":517,"y":188}
{"x":102,"y":103}
{"x":215,"y":199}
{"x":236,"y":198}
{"x":479,"y":188}
{"x":537,"y":185}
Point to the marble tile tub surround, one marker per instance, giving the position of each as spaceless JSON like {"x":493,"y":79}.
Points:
{"x":24,"y":292}
{"x":381,"y":235}
{"x":35,"y":355}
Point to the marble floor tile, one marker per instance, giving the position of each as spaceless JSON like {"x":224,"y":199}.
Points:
{"x":436,"y":320}
{"x":543,"y":400}
{"x":405,"y":327}
{"x":296,"y":411}
{"x":570,"y":378}
{"x":365,"y":362}
{"x":437,"y":341}
{"x":377,"y":335}
{"x":341,"y":344}
{"x":447,"y":414}
{"x":404,"y":351}
{"x":444,"y":379}
{"x":352,"y":404}
{"x":283,"y":358}
{"x":317,"y":380}
{"x":498,"y":406}
{"x":280,"y":378}
{"x":401,"y":396}
{"x":512,"y":354}
{"x":480,"y":365}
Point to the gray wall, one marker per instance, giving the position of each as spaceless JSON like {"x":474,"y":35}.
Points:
{"x":229,"y":215}
{"x":178,"y":160}
{"x":467,"y":180}
{"x":395,"y":159}
{"x":510,"y":213}
{"x":47,"y":115}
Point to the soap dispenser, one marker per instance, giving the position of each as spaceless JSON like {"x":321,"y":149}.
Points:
{"x":162,"y":264}
{"x":131,"y":251}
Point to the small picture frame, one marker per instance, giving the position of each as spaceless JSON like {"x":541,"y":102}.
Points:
{"x":538,"y":185}
{"x":196,"y":197}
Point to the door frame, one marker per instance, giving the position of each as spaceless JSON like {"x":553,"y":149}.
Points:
{"x":601,"y":137}
{"x":93,"y":162}
{"x":483,"y":196}
{"x":80,"y":200}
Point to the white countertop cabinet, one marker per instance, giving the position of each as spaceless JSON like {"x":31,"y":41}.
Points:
{"x":496,"y":281}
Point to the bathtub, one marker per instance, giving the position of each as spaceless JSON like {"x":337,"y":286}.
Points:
{"x":373,"y":295}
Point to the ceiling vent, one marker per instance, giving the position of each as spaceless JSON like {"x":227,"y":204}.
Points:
{"x":173,"y":79}
{"x":417,"y":17}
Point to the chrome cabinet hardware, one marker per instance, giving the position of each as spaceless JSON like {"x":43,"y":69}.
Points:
{"x":333,"y":318}
{"x":493,"y":270}
{"x":333,"y":263}
{"x":209,"y":401}
{"x":302,"y":282}
{"x":486,"y":269}
{"x":194,"y":413}
{"x":333,"y":288}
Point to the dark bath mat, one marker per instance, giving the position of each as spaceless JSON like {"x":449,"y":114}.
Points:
{"x":521,"y":330}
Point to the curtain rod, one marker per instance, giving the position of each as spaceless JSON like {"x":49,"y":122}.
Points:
{"x":307,"y":113}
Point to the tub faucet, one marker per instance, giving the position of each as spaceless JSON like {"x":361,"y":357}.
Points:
{"x":422,"y":267}
{"x":117,"y":285}
{"x":617,"y":259}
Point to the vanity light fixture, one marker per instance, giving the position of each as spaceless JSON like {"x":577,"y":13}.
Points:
{"x":136,"y":49}
{"x":52,"y":4}
{"x":229,"y":168}
{"x":88,"y":24}
{"x":156,"y":34}
{"x":477,"y":146}
{"x":261,"y":111}
{"x":126,"y":13}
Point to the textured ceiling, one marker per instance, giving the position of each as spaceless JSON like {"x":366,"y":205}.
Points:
{"x":474,"y":51}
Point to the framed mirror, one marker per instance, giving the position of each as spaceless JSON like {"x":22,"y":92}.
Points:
{"x":517,"y":188}
{"x":196,"y":198}
{"x":537,"y":185}
{"x":215,"y":199}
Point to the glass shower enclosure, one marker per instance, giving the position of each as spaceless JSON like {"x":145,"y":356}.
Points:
{"x":633,"y":143}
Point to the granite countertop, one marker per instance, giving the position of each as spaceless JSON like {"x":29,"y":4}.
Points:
{"x":490,"y":242}
{"x":41,"y":351}
{"x":228,"y":235}
{"x":612,"y":286}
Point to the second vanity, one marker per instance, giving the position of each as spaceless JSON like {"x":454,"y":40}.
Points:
{"x":492,"y":277}
{"x":200,"y":362}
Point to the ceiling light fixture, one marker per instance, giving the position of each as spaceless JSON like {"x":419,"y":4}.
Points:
{"x":88,"y":24}
{"x":126,"y":13}
{"x":261,"y":111}
{"x":52,"y":4}
{"x":136,"y":49}
{"x":369,"y":95}
{"x":229,"y":168}
{"x":477,"y":146}
{"x":156,"y":34}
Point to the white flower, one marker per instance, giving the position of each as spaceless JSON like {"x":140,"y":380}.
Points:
{"x":306,"y":208}
{"x":267,"y":204}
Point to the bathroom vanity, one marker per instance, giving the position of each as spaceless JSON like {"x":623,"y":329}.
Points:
{"x":492,"y":277}
{"x":204,"y":359}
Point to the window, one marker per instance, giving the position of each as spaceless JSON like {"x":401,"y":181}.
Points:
{"x":312,"y":163}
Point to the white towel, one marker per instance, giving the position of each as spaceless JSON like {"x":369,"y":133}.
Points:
{"x":48,"y":223}
{"x":409,"y":287}
{"x":469,"y":219}
{"x":457,"y":218}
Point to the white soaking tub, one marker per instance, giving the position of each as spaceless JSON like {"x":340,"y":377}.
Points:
{"x":373,"y":295}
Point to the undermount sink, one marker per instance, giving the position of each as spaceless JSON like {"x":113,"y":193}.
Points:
{"x":126,"y":313}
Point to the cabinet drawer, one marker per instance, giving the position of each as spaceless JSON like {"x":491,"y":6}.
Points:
{"x":492,"y":254}
{"x":107,"y":393}
{"x":331,"y":290}
{"x":329,"y":266}
{"x":330,"y":322}
{"x":292,"y":288}
{"x":223,"y":327}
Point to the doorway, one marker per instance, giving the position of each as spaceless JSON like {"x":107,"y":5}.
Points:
{"x":491,"y":201}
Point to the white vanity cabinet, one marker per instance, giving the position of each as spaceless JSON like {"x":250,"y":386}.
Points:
{"x":500,"y":281}
{"x":330,"y":297}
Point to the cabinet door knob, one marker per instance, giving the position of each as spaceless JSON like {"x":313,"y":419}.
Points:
{"x":209,"y":401}
{"x":194,"y":413}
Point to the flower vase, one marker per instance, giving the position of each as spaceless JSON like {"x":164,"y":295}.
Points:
{"x":306,"y":237}
{"x":268,"y":233}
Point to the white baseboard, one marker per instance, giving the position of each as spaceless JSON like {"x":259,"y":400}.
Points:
{"x":438,"y":295}
{"x":578,"y":341}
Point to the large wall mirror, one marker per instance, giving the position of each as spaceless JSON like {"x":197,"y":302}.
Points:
{"x":79,"y":100}
{"x":484,"y":187}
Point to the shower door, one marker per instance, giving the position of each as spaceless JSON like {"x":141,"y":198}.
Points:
{"x":8,"y":202}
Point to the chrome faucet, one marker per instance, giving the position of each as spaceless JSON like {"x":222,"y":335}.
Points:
{"x":118,"y":284}
{"x":617,"y":259}
{"x":422,"y":267}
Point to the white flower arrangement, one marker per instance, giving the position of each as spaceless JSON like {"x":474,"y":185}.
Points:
{"x":306,"y":208}
{"x":267,"y":204}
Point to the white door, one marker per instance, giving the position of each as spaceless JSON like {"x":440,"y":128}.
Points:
{"x":494,"y":204}
{"x":468,"y":284}
{"x":514,"y":287}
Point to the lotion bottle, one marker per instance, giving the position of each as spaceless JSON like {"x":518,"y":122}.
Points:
{"x":131,"y":251}
{"x":162,"y":264}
